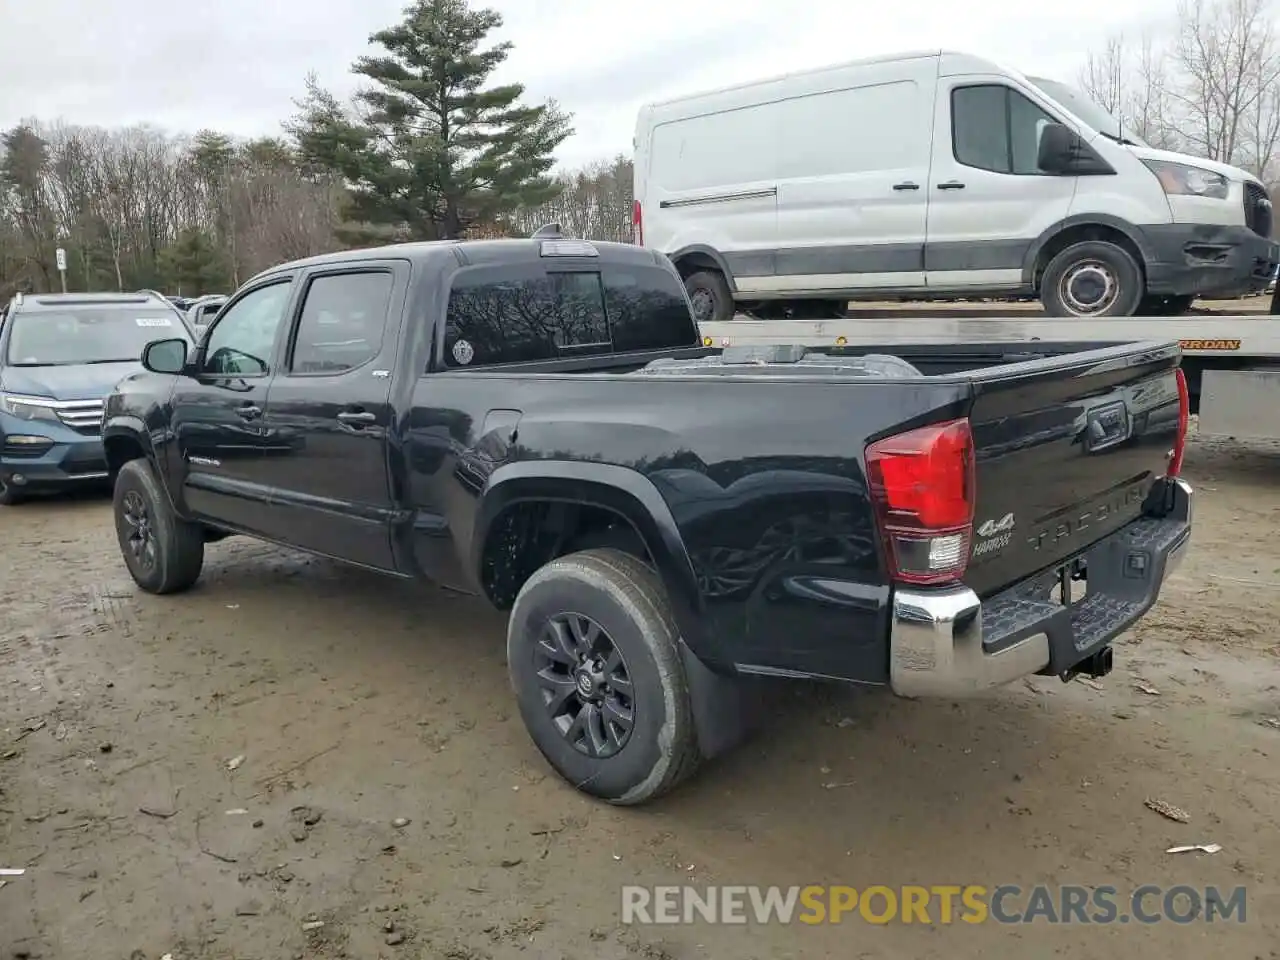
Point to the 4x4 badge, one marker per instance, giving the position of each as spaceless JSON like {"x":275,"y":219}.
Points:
{"x":993,"y":527}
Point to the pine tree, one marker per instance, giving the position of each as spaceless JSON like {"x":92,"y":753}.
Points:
{"x":434,"y":150}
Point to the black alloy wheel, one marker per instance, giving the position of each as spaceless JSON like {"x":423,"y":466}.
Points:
{"x":585,"y":685}
{"x":139,"y":534}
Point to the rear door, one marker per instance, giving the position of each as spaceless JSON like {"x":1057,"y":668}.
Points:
{"x":1066,"y":456}
{"x":988,"y":199}
{"x":329,"y":413}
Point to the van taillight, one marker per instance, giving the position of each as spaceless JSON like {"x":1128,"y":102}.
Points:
{"x":1184,"y":419}
{"x":637,"y":223}
{"x":922,"y":484}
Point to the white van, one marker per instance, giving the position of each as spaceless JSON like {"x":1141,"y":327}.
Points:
{"x":937,"y":175}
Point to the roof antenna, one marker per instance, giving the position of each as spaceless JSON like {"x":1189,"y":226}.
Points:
{"x":550,"y":231}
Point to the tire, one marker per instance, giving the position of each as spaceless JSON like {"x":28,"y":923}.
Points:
{"x":176,"y":546}
{"x":1172,"y":306}
{"x":620,"y":601}
{"x":710,"y":296}
{"x":8,"y":496}
{"x":1075,"y":274}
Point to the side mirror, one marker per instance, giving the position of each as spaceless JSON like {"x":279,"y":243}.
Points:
{"x":1059,"y":148}
{"x":165,"y":356}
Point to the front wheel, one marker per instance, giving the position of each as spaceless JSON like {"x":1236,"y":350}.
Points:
{"x":163,"y":552}
{"x":593,"y":657}
{"x":9,"y":497}
{"x":1094,"y":278}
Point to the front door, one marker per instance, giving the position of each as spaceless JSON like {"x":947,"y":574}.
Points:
{"x":329,"y":415}
{"x":989,"y":201}
{"x":217,"y":414}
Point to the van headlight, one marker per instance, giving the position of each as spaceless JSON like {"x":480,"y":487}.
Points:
{"x":28,"y":408}
{"x":1184,"y":180}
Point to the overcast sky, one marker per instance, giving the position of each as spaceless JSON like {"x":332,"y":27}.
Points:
{"x":237,"y":65}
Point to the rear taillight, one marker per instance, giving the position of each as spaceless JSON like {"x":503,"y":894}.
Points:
{"x":922,"y":484}
{"x":637,"y":223}
{"x":1184,"y":419}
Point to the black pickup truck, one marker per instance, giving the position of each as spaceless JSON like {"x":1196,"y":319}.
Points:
{"x":538,"y":421}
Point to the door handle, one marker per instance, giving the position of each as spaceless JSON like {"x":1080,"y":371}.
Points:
{"x":906,"y":186}
{"x":951,"y":185}
{"x":357,"y":417}
{"x":249,"y":412}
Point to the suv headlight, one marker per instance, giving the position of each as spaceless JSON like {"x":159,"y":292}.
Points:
{"x":28,"y":408}
{"x":1184,"y":180}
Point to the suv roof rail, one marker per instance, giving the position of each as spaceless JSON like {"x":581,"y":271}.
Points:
{"x":549,"y":231}
{"x":153,"y":293}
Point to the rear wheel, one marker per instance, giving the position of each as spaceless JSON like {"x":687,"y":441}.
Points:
{"x":710,"y":296}
{"x":593,"y":657}
{"x":163,"y":552}
{"x":1094,"y":278}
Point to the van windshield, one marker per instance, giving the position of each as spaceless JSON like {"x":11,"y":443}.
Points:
{"x":1088,"y":111}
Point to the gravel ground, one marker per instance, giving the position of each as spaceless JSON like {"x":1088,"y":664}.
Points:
{"x":213,"y":775}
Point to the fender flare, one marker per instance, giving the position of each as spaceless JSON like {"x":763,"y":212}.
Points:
{"x":1134,"y":233}
{"x":132,"y":428}
{"x":721,"y":263}
{"x":625,"y":492}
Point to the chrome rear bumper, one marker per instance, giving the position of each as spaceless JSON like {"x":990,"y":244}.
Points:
{"x":949,"y":643}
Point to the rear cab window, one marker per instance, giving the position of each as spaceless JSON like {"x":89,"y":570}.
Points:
{"x":521,"y":313}
{"x":343,"y":322}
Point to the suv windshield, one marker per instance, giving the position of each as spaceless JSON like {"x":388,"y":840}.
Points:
{"x":1088,"y":111}
{"x":49,"y":338}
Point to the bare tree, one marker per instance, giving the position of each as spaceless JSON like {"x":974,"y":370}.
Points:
{"x":1209,"y":84}
{"x":1104,"y":74}
{"x":1228,"y":63}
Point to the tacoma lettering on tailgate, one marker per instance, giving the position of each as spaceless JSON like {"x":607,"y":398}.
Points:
{"x":1069,"y":527}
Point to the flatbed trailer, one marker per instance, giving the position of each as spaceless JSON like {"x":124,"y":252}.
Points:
{"x":1232,"y":362}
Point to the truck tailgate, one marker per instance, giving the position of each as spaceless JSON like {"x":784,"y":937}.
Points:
{"x":1066,"y":455}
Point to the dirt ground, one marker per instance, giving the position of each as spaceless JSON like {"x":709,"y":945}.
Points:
{"x":365,"y":701}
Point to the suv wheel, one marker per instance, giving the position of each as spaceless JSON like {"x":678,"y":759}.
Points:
{"x":1091,"y":279}
{"x":8,"y":495}
{"x":592,"y":653}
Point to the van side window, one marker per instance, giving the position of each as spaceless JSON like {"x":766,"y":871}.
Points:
{"x":996,"y":128}
{"x":518,"y":315}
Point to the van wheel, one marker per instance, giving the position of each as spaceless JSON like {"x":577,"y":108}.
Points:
{"x":1091,"y":279}
{"x":163,"y":552}
{"x":592,"y":654}
{"x":710,"y":296}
